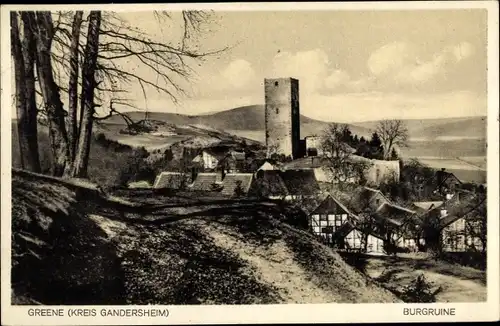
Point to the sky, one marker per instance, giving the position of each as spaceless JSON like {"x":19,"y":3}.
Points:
{"x":351,"y":65}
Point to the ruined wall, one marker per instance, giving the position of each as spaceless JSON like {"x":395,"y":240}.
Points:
{"x":382,"y":171}
{"x":282,"y":115}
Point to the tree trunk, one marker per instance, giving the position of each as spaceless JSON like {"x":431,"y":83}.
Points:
{"x":73,"y":84}
{"x":23,"y":54}
{"x":80,"y":163}
{"x":29,"y":50}
{"x":50,"y":92}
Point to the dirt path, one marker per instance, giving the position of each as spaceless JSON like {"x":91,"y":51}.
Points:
{"x":275,"y":266}
{"x":458,"y":284}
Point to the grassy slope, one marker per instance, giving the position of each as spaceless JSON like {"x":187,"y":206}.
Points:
{"x":189,"y":252}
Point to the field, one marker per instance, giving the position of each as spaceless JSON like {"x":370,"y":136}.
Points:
{"x":458,"y":283}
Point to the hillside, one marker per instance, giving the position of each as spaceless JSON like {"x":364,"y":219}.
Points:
{"x":241,"y":121}
{"x":442,"y":129}
{"x":72,"y":245}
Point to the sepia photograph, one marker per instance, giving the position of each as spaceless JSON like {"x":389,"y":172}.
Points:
{"x":200,"y":156}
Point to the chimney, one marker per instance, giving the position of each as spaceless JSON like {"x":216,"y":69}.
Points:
{"x":194,"y":174}
{"x":220,"y":176}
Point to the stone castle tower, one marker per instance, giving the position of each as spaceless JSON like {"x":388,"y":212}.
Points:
{"x":282,"y":115}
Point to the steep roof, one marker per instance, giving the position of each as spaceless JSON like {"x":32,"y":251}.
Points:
{"x":266,"y":167}
{"x":394,"y":213}
{"x":238,"y":156}
{"x":204,"y":181}
{"x":300,"y":182}
{"x":268,"y":183}
{"x":172,"y":180}
{"x":362,"y":198}
{"x":323,"y":203}
{"x":439,"y":178}
{"x":231,"y":181}
{"x":426,"y":205}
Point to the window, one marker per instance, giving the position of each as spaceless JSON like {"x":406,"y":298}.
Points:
{"x":275,"y":83}
{"x":277,"y":110}
{"x":328,"y":229}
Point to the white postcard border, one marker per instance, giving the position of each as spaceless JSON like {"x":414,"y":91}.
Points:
{"x":306,"y":313}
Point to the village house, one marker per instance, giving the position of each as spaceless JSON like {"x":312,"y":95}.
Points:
{"x":443,"y":183}
{"x":235,"y":184}
{"x":214,"y":158}
{"x":313,"y":145}
{"x":171,"y":180}
{"x":352,"y":237}
{"x":461,"y":234}
{"x":286,"y":185}
{"x":326,"y":215}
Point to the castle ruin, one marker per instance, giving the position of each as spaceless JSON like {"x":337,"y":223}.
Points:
{"x":282,"y":116}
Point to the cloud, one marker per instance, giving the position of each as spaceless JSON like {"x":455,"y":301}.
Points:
{"x":390,"y":58}
{"x":365,"y":106}
{"x":238,"y":74}
{"x":399,"y":63}
{"x":310,"y":67}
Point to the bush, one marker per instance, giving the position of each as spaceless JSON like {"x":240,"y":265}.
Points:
{"x":419,"y":291}
{"x":239,"y":191}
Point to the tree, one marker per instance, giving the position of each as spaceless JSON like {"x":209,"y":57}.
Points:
{"x":476,"y":222}
{"x":22,"y":48}
{"x":392,"y":133}
{"x":339,"y":156}
{"x":92,"y":54}
{"x":376,"y":149}
{"x":419,"y":291}
{"x":394,"y":155}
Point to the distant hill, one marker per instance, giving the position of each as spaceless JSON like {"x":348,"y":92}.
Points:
{"x":244,"y":119}
{"x":444,"y":128}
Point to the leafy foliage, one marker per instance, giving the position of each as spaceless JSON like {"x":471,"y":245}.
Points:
{"x":419,"y":291}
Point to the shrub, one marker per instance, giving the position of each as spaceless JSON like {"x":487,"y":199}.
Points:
{"x":238,"y":191}
{"x":419,"y":291}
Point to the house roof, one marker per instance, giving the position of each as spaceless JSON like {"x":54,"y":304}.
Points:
{"x":204,"y":181}
{"x":426,"y":205}
{"x":394,"y":213}
{"x":217,"y":152}
{"x":362,"y":198}
{"x":266,"y":166}
{"x":323,"y":203}
{"x":350,"y":225}
{"x":231,"y":180}
{"x":269,"y":183}
{"x":300,"y":182}
{"x":444,"y":175}
{"x":172,"y":180}
{"x":239,"y":156}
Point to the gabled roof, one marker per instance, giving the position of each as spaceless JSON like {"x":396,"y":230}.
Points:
{"x":172,"y":180}
{"x":231,"y":180}
{"x":427,"y":205}
{"x":204,"y":181}
{"x":238,"y":156}
{"x":362,"y":198}
{"x":444,"y":175}
{"x":218,"y":152}
{"x":266,"y":167}
{"x":323,"y":203}
{"x":300,"y":182}
{"x":394,"y":213}
{"x":268,"y":183}
{"x":350,"y":225}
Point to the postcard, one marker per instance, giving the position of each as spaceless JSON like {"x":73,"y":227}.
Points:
{"x":250,"y":163}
